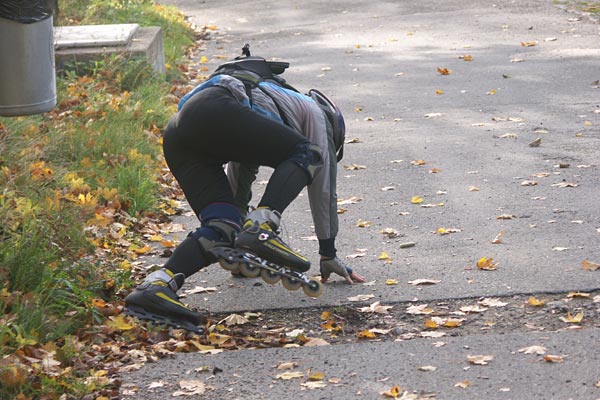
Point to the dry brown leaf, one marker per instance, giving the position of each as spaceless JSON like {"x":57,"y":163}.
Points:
{"x":463,"y":384}
{"x":539,"y":350}
{"x":553,"y":358}
{"x":375,"y":308}
{"x":498,"y":238}
{"x":424,"y":282}
{"x":361,"y":297}
{"x":286,"y":366}
{"x":316,"y":342}
{"x":480,"y":359}
{"x":421,"y":309}
{"x":505,"y":216}
{"x":589,"y":266}
{"x":444,"y":71}
{"x":354,"y":167}
{"x":286,"y":376}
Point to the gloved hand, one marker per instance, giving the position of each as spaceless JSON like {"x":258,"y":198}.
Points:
{"x":335,"y":265}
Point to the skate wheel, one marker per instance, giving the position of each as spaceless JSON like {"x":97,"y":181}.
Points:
{"x":269,"y":276}
{"x":234,"y":267}
{"x":313,"y":288}
{"x":291,"y":283}
{"x":249,"y":270}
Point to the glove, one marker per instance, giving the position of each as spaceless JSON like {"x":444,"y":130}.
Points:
{"x":328,"y":266}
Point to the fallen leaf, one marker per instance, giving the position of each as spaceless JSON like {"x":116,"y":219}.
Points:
{"x":572,"y":319}
{"x":560,"y":248}
{"x":433,"y":115}
{"x":200,"y":289}
{"x":498,"y":238}
{"x":473,"y":189}
{"x":391,"y":282}
{"x":190,"y":388}
{"x":505,"y":216}
{"x":387,"y":188}
{"x":536,"y":143}
{"x":463,"y":384}
{"x":491,"y":92}
{"x":286,"y":366}
{"x":474,"y":309}
{"x":424,"y":282}
{"x":509,"y":136}
{"x":363,"y":224}
{"x":384,"y":256}
{"x":553,"y":358}
{"x":375,"y":308}
{"x":351,"y":200}
{"x":539,"y":350}
{"x":516,"y":60}
{"x":535,"y":302}
{"x":234,"y":319}
{"x":486,"y":264}
{"x":416,"y":200}
{"x":394,"y":392}
{"x":366,"y":334}
{"x":421,"y":309}
{"x":354,"y":167}
{"x":316,"y":342}
{"x":361,"y":297}
{"x":589,"y":266}
{"x":529,"y":183}
{"x":466,"y":57}
{"x":489,"y":302}
{"x":427,"y":368}
{"x":316,"y":376}
{"x":530,"y":43}
{"x":418,"y":162}
{"x":447,"y":231}
{"x":564,"y":184}
{"x":390,"y":232}
{"x":571,"y":295}
{"x":480,"y":359}
{"x":444,"y":71}
{"x":314,"y":384}
{"x":435,"y":171}
{"x":286,"y":376}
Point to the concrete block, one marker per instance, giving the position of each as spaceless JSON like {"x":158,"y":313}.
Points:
{"x":144,"y":42}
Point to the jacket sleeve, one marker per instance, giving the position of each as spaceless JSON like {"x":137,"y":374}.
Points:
{"x":322,"y":192}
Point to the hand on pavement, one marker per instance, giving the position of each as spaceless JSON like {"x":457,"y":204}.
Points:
{"x":334,"y":265}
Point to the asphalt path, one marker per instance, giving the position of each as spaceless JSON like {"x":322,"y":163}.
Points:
{"x":518,"y":71}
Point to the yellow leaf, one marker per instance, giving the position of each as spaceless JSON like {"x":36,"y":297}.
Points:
{"x":467,"y":57}
{"x":203,"y":59}
{"x":316,"y":376}
{"x":168,"y":243}
{"x":217,"y":338}
{"x":363,"y":224}
{"x":394,"y":392}
{"x":140,"y":250}
{"x":119,"y":322}
{"x":535,"y":302}
{"x":486,"y":264}
{"x":438,"y":92}
{"x":589,"y":266}
{"x":383,"y":256}
{"x":572,"y":319}
{"x":391,"y":282}
{"x":325,"y":315}
{"x":416,"y":200}
{"x":453,"y":322}
{"x":366,"y":334}
{"x":431,"y":324}
{"x":155,"y":238}
{"x":492,"y":92}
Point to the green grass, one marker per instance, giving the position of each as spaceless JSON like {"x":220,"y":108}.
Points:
{"x":61,"y":173}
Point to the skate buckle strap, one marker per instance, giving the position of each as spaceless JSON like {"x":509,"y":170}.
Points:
{"x":163,"y":276}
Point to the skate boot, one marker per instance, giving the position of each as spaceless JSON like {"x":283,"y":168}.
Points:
{"x":155,"y":300}
{"x":260,"y":251}
{"x":259,"y":235}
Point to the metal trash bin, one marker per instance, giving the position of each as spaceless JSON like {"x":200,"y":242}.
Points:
{"x":27,"y":73}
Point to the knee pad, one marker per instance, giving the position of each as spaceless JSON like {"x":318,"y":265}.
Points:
{"x":308,"y":157}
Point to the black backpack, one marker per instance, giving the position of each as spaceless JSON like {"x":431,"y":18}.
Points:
{"x":252,"y":70}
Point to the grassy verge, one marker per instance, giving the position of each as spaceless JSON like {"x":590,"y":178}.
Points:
{"x":76,"y":186}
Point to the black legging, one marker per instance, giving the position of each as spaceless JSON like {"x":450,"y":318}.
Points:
{"x":213,"y":128}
